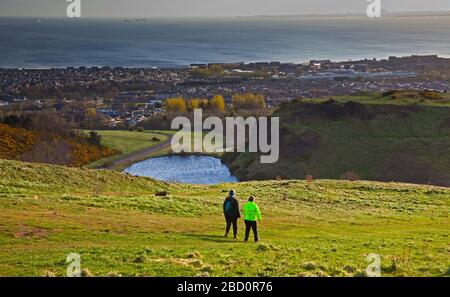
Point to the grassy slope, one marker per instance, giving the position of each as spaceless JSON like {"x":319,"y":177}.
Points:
{"x":119,"y":226}
{"x":406,"y":140}
{"x":402,"y":98}
{"x":126,"y":142}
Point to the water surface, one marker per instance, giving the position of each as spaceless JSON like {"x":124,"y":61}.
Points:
{"x":184,"y":169}
{"x":179,"y":42}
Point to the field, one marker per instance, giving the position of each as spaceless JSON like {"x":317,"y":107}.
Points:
{"x":130,"y":226}
{"x":127,"y":142}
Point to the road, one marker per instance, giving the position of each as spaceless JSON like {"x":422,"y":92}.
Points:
{"x":141,"y":154}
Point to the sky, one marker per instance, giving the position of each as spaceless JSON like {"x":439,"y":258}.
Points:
{"x":195,"y":8}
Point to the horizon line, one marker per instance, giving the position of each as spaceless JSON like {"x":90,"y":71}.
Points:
{"x":385,"y":12}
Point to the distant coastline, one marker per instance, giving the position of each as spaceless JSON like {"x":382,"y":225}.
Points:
{"x":237,"y":63}
{"x":384,"y":13}
{"x":175,"y":43}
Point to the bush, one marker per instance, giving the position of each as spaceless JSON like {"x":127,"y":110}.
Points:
{"x":95,"y":139}
{"x":15,"y":141}
{"x":431,"y":95}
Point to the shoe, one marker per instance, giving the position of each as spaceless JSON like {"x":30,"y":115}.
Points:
{"x":257,"y":240}
{"x":226,"y":235}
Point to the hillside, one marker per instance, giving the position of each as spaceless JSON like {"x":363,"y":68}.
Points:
{"x":397,"y":137}
{"x":29,"y":145}
{"x":130,"y":226}
{"x":126,"y":143}
{"x":15,"y":141}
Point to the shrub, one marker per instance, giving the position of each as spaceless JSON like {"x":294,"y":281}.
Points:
{"x":431,"y":95}
{"x":15,"y":141}
{"x":95,"y":139}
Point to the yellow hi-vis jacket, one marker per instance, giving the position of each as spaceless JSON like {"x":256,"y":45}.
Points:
{"x":251,"y":212}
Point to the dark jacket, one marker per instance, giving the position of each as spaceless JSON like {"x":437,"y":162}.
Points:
{"x":231,"y":207}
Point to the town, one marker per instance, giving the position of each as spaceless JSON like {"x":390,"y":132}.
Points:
{"x":124,"y":97}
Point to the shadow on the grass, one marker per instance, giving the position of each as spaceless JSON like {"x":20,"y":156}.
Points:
{"x":214,"y":238}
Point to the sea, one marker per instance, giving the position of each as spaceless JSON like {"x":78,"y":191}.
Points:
{"x":166,"y":43}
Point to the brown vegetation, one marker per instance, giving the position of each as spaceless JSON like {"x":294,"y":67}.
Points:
{"x":48,"y":139}
{"x":412,"y":94}
{"x":15,"y":141}
{"x":248,"y":101}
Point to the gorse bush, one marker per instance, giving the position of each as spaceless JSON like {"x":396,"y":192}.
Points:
{"x":15,"y":141}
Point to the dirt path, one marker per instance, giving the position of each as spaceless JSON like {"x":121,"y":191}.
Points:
{"x":141,"y":154}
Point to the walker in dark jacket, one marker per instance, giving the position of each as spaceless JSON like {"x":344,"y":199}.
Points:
{"x":231,"y":213}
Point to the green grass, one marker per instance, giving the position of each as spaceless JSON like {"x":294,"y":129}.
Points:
{"x":383,"y":142}
{"x":378,"y":98}
{"x":119,"y":226}
{"x":127,"y":142}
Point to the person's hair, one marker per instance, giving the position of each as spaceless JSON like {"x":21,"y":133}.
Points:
{"x":232,"y":193}
{"x":251,"y":198}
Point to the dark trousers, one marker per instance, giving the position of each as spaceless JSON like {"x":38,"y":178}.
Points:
{"x":231,"y":220}
{"x":251,"y":225}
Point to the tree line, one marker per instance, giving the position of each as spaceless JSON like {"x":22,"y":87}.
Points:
{"x":246,"y":101}
{"x":48,"y":138}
